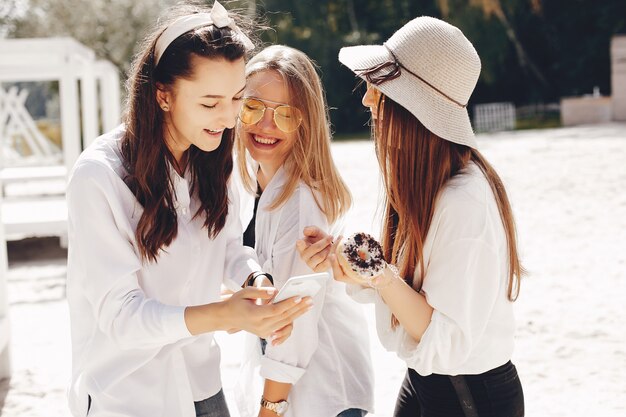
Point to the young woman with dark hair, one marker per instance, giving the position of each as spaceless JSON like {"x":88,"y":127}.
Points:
{"x":154,"y":233}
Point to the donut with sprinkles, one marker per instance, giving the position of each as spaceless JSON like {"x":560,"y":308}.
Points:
{"x":362,"y":256}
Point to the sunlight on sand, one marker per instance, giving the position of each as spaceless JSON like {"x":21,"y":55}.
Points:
{"x":568,"y":190}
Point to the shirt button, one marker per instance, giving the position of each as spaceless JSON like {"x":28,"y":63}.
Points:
{"x":185,"y":211}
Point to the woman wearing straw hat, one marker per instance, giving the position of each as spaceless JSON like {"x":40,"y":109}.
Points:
{"x":154,"y":233}
{"x":444,"y":304}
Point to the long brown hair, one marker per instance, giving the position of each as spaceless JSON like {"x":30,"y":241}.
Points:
{"x":310,"y":159}
{"x":416,"y":164}
{"x":143,"y":145}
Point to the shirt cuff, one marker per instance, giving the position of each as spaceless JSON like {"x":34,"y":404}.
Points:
{"x":280,"y":372}
{"x":436,"y":343}
{"x":243,"y":272}
{"x":361,"y":294}
{"x":173,"y":321}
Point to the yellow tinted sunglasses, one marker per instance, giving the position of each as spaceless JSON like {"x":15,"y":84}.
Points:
{"x":287,"y":118}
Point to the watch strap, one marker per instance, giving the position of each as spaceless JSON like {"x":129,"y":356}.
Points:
{"x":278,"y":407}
{"x":257,"y":274}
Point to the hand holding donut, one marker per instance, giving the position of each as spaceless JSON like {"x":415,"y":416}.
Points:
{"x":358,"y":260}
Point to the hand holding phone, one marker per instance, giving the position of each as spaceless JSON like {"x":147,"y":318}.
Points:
{"x":302,"y":286}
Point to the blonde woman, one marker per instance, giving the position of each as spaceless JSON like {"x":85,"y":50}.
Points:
{"x":324,"y":368}
{"x":448,"y":228}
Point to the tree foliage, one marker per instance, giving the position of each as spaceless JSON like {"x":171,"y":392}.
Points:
{"x":112,"y":28}
{"x":531,"y":50}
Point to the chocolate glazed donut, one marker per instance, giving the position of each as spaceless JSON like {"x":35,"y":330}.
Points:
{"x":361,"y":256}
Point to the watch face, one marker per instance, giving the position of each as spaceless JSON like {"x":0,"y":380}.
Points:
{"x":281,"y":407}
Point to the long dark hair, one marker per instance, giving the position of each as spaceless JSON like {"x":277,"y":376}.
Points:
{"x":143,"y":145}
{"x":416,"y":164}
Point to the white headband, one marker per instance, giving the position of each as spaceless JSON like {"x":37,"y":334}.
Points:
{"x":218,"y":18}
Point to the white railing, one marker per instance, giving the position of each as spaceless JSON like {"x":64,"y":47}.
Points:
{"x":493,"y":117}
{"x":5,"y":333}
{"x":19,"y":136}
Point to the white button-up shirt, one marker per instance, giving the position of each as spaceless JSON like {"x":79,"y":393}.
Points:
{"x":466,"y":281}
{"x":132,"y":352}
{"x":327,"y":356}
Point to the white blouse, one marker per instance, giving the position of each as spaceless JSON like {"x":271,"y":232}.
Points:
{"x":132,"y":352}
{"x":327,"y":357}
{"x":466,"y":281}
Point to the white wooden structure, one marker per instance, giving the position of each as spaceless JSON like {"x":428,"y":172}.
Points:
{"x":494,"y":117}
{"x":84,"y":115}
{"x":5,"y":360}
{"x":16,"y":122}
{"x":90,"y":104}
{"x":618,"y":76}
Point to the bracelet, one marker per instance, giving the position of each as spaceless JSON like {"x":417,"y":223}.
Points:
{"x":395,"y":274}
{"x":253,"y":276}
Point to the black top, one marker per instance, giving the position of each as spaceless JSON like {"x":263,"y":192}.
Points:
{"x":248,"y":236}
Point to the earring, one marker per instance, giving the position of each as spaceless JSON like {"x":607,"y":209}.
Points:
{"x":166,"y":108}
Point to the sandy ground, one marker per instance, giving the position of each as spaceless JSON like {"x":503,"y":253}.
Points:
{"x":568,"y":188}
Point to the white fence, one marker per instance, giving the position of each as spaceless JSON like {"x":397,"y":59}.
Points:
{"x":493,"y":117}
{"x":21,"y":138}
{"x":84,"y":115}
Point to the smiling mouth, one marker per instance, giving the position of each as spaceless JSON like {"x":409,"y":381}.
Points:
{"x":264,"y":140}
{"x":214,"y":132}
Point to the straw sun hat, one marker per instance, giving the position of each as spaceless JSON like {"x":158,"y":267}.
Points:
{"x":428,"y":67}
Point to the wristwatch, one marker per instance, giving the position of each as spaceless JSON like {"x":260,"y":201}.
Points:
{"x":255,"y":275}
{"x":279,"y":407}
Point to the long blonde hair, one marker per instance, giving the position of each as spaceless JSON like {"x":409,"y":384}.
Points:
{"x":416,"y":164}
{"x":310,"y":159}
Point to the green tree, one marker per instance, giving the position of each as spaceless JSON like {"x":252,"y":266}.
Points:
{"x":531,"y":50}
{"x":321,"y":28}
{"x":566,"y":42}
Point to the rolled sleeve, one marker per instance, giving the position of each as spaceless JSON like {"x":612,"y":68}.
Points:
{"x":361,"y":294}
{"x":280,"y":372}
{"x":289,"y":360}
{"x":145,"y":323}
{"x":173,"y":319}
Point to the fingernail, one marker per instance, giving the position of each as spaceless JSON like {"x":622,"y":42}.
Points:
{"x":309,"y":302}
{"x":271,"y":291}
{"x":297,"y":300}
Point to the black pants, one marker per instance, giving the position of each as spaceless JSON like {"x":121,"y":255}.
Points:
{"x":496,"y":393}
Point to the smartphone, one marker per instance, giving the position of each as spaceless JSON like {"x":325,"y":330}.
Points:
{"x":302,"y":286}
